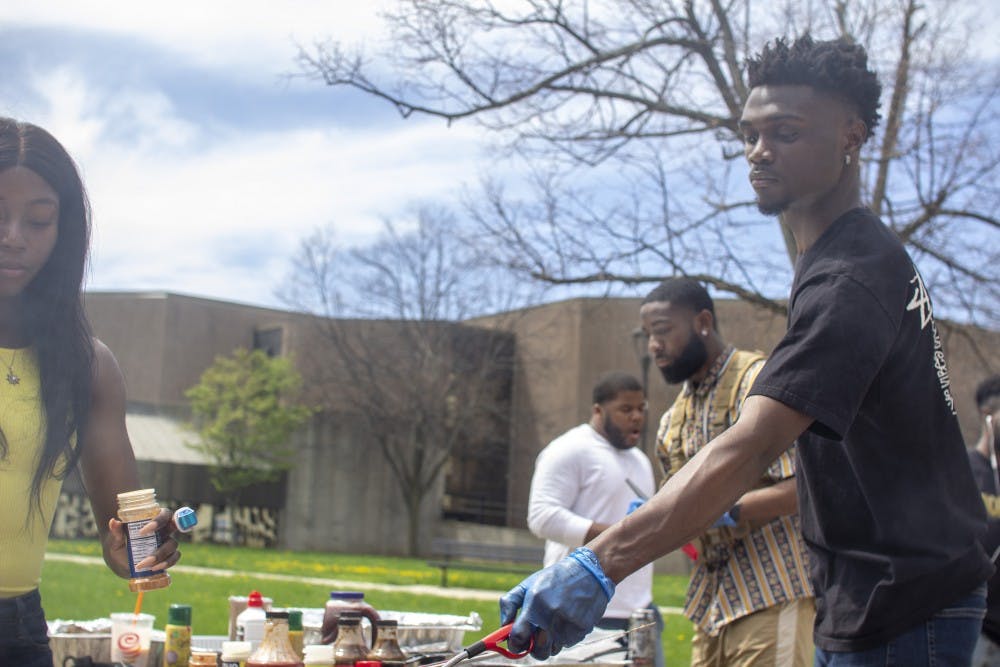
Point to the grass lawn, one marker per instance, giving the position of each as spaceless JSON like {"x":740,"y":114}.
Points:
{"x":72,"y":591}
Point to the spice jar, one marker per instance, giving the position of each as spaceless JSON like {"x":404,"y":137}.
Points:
{"x":350,"y":645}
{"x":346,"y":601}
{"x":275,"y":650}
{"x":386,"y":649}
{"x":203,"y":659}
{"x":135,"y":509}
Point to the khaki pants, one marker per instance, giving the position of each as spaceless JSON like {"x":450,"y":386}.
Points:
{"x":780,"y":636}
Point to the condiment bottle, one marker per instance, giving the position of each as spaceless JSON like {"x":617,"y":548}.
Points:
{"x":295,"y":630}
{"x":250,"y":622}
{"x":350,"y":645}
{"x":275,"y":649}
{"x":177,"y":636}
{"x":339,"y":602}
{"x":135,"y":509}
{"x":386,"y":649}
{"x":318,"y":655}
{"x":235,"y":654}
{"x":203,"y":659}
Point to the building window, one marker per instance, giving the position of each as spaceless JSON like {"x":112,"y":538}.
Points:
{"x":268,"y":340}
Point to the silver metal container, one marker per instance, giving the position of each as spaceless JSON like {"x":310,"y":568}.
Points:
{"x":642,"y":638}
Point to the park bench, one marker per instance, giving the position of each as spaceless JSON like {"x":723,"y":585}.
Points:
{"x":459,"y":554}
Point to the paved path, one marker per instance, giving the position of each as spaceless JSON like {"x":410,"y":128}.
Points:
{"x":342,"y":584}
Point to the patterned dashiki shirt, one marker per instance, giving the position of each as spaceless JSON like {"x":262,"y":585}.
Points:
{"x":746,"y":568}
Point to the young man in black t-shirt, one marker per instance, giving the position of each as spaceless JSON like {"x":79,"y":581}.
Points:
{"x":888,"y":506}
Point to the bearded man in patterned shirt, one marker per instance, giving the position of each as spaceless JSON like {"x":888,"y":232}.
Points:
{"x":749,"y":597}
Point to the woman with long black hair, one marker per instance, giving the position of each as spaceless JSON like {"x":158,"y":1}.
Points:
{"x":62,"y":394}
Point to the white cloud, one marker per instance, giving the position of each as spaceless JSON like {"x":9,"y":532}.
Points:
{"x":223,"y":218}
{"x":248,"y":36}
{"x":219,"y":212}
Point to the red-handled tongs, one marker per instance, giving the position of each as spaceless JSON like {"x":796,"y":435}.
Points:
{"x":490,"y":642}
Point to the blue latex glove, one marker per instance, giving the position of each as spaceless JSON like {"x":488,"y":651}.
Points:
{"x":725,"y":521}
{"x":559,"y":605}
{"x":634,"y":505}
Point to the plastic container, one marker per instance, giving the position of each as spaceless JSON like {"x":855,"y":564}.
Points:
{"x":386,"y":649}
{"x":275,"y":650}
{"x":135,"y":509}
{"x":237,"y":603}
{"x":340,"y":602}
{"x":177,"y":636}
{"x":320,"y":655}
{"x":350,"y":646}
{"x":235,"y":654}
{"x":250,"y":622}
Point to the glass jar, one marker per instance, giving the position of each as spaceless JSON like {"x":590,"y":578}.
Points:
{"x":386,"y":649}
{"x":203,"y":659}
{"x":135,"y":509}
{"x":235,"y":654}
{"x":346,"y":601}
{"x":275,"y":650}
{"x":350,"y":645}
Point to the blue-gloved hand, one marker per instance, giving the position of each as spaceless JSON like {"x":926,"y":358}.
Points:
{"x":634,"y":505}
{"x":725,"y":521}
{"x":559,"y":605}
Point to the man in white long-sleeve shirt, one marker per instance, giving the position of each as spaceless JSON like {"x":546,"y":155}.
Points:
{"x":583,"y":482}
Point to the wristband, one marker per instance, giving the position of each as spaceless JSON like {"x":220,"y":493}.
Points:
{"x":588,"y":559}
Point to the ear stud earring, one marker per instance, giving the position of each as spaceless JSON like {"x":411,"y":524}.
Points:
{"x":847,"y":159}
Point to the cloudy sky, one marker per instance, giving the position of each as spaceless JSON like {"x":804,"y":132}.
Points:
{"x":206,"y":164}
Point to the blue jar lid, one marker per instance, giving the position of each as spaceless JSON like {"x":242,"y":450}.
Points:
{"x":185,"y":518}
{"x":346,"y":595}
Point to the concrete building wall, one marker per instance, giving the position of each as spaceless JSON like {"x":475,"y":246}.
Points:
{"x":339,"y":496}
{"x":164,"y":342}
{"x":342,"y":496}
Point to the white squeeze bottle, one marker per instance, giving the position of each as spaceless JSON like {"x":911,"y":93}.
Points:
{"x":250,"y":622}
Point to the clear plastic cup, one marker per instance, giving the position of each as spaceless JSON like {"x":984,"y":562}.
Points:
{"x":130,"y":637}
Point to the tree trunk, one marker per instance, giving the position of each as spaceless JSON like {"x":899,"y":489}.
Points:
{"x":231,"y":519}
{"x":413,"y":501}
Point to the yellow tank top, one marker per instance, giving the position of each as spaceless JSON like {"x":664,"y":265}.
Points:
{"x":22,"y":544}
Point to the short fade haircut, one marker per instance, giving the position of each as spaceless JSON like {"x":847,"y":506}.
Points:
{"x":611,"y":384}
{"x":988,"y":390}
{"x":838,"y":67}
{"x":683,"y":291}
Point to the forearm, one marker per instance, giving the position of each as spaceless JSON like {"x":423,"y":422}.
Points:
{"x":558,"y":524}
{"x":768,"y":503}
{"x":595,"y":529}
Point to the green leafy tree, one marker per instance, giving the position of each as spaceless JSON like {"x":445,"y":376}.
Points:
{"x":244,"y":408}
